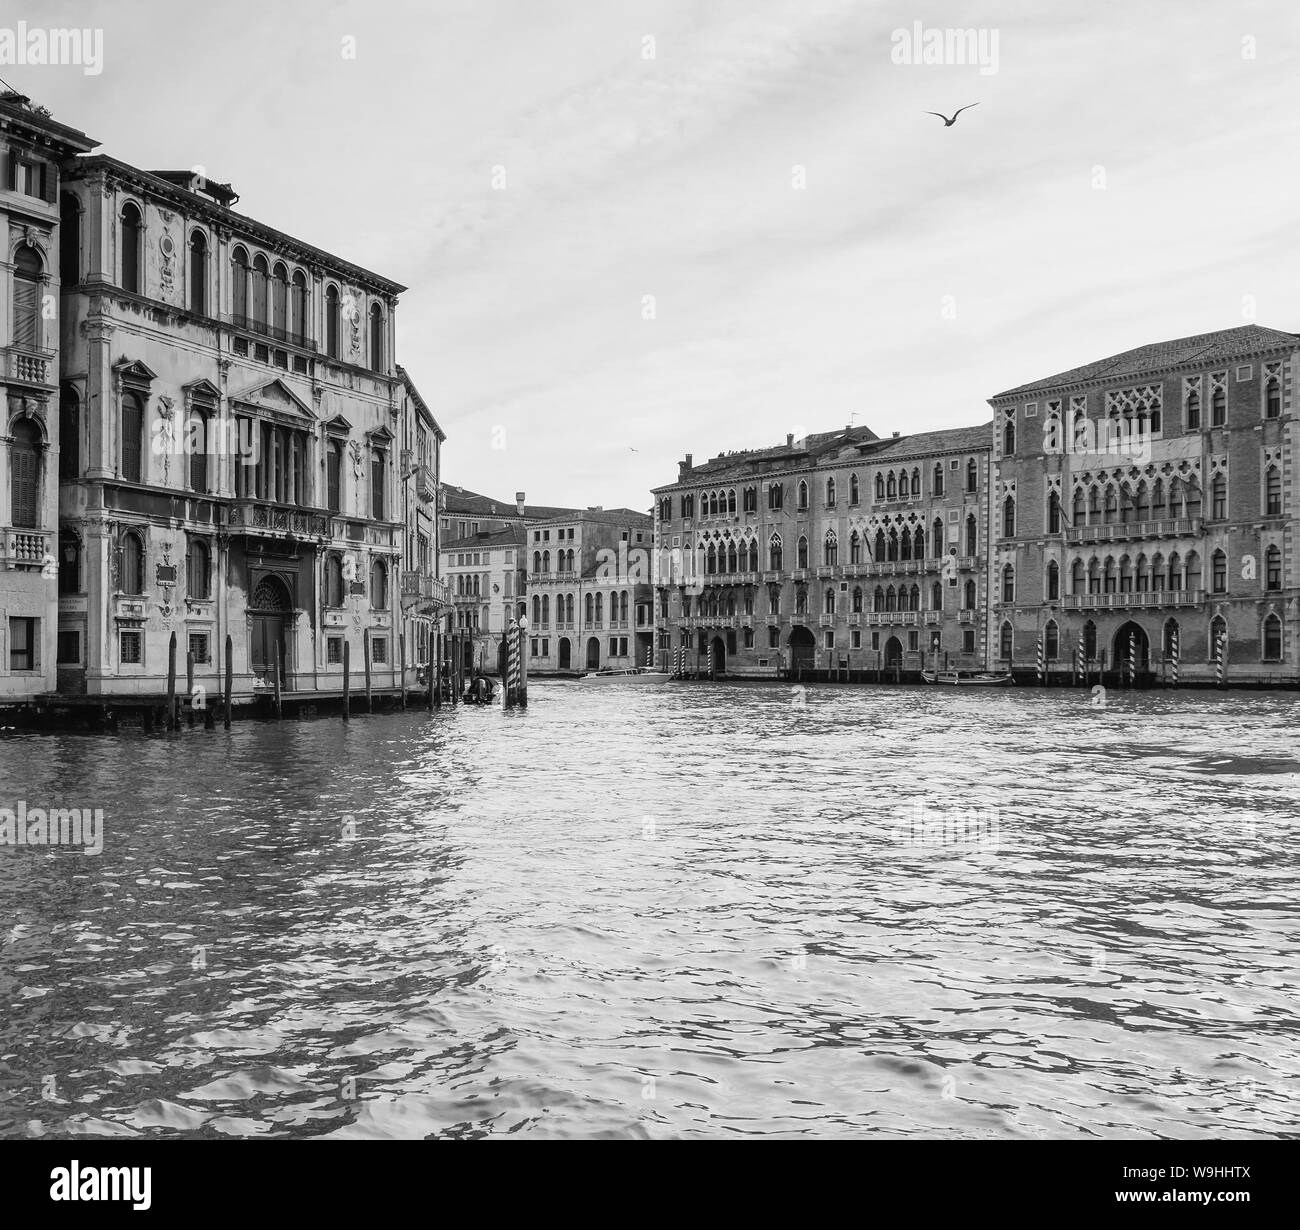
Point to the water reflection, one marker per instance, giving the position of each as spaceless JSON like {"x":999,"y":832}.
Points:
{"x":666,"y":911}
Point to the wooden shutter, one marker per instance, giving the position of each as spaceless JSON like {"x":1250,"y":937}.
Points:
{"x":26,"y":311}
{"x":132,"y":428}
{"x":24,"y":485}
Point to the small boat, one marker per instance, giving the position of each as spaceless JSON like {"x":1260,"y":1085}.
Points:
{"x":970,"y":679}
{"x":633,"y":674}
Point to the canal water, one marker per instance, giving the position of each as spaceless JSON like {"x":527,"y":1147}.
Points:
{"x":667,"y":912}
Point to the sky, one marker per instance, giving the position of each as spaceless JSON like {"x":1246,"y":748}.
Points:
{"x":634,"y":229}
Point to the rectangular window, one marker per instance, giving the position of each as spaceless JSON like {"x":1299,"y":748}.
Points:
{"x":334,"y":650}
{"x":377,"y":466}
{"x":1245,"y":371}
{"x":333,"y":475}
{"x":829,"y":638}
{"x":131,"y":646}
{"x":199,"y":646}
{"x":855,"y":639}
{"x":22,"y":643}
{"x":132,"y":438}
{"x":69,"y":648}
{"x":241,"y":347}
{"x":968,"y":640}
{"x":913,"y":641}
{"x":379,"y":650}
{"x":546,"y":647}
{"x":774,"y":638}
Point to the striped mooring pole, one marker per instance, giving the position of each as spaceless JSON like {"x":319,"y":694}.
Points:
{"x":1220,"y":658}
{"x":1173,"y":658}
{"x":512,"y":668}
{"x":1078,"y":660}
{"x":1038,"y":649}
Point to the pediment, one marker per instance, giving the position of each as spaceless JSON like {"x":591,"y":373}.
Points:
{"x":339,"y":425}
{"x":201,"y":390}
{"x":274,"y":396}
{"x":134,"y":371}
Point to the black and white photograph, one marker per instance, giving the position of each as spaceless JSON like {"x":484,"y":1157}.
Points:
{"x":650,"y":570}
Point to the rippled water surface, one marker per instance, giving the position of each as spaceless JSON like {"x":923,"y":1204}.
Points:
{"x":667,"y":911}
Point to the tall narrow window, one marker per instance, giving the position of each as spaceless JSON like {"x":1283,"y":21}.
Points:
{"x":27,"y":298}
{"x":69,"y":563}
{"x":24,"y":472}
{"x":378,"y":465}
{"x":197,"y":443}
{"x":1193,"y":411}
{"x":937,"y":483}
{"x":1273,"y":493}
{"x":1219,"y":572}
{"x":334,"y":475}
{"x":132,"y":248}
{"x":1008,"y":518}
{"x":299,"y":331}
{"x":1218,"y":498}
{"x":1272,"y":639}
{"x":1273,"y":398}
{"x":1051,"y":641}
{"x":260,"y":292}
{"x":1273,"y":568}
{"x":1006,"y":643}
{"x":1218,"y":407}
{"x":132,"y":578}
{"x":239,"y":286}
{"x":1009,"y":438}
{"x":69,"y":240}
{"x":199,"y":273}
{"x":334,"y":580}
{"x":971,"y":536}
{"x":280,"y":301}
{"x":199,"y":570}
{"x":69,"y":434}
{"x":379,"y":585}
{"x":972,"y":476}
{"x":1054,"y":513}
{"x":132,"y":437}
{"x":377,"y":357}
{"x":1053,"y":581}
{"x":1008,"y":584}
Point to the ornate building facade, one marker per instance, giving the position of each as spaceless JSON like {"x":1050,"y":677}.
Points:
{"x":842,"y":552}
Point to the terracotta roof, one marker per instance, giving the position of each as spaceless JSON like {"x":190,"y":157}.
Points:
{"x":949,"y":440}
{"x":460,"y":501}
{"x":1202,"y":350}
{"x":511,"y":536}
{"x":603,"y":516}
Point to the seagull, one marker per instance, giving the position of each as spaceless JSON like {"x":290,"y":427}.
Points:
{"x":948,"y":123}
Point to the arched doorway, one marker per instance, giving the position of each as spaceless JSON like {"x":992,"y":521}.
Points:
{"x":803,"y":649}
{"x":1131,"y":637}
{"x":467,"y":655}
{"x":566,"y":653}
{"x":593,"y":653}
{"x":893,"y":652}
{"x":270,"y":613}
{"x":719,"y":656}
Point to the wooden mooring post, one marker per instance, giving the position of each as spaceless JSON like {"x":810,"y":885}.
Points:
{"x":365,"y":653}
{"x":347,"y":676}
{"x":279,"y":710}
{"x":230,"y":673}
{"x":171,"y":683}
{"x":189,"y":689}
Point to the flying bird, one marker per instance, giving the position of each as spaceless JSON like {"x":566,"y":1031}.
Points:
{"x":948,"y":123}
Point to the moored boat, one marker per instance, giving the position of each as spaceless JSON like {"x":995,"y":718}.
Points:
{"x":976,"y":679}
{"x":634,"y":674}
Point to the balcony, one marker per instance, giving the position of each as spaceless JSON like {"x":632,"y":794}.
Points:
{"x":910,"y":618}
{"x":426,"y":486}
{"x":855,"y":619}
{"x":968,"y":561}
{"x":933,"y":617}
{"x":424,"y":592}
{"x":1178,"y":527}
{"x":828,"y":572}
{"x":260,"y":328}
{"x":260,"y":519}
{"x":30,"y":367}
{"x":25,"y":548}
{"x":965,"y":617}
{"x":826,"y":621}
{"x":1142,"y":598}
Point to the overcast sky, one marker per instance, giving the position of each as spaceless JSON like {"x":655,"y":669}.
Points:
{"x":1128,"y":176}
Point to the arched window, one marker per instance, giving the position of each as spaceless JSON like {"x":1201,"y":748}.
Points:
{"x":1079,"y":514}
{"x":1008,"y":583}
{"x":880,"y":486}
{"x":1218,"y":407}
{"x":1051,"y":641}
{"x":587,"y":608}
{"x":196,"y":443}
{"x":972,"y":476}
{"x":803,"y":494}
{"x":1219,"y":498}
{"x":1125,"y":575}
{"x":546,"y":562}
{"x":936,"y":597}
{"x":334,"y":580}
{"x":1009,"y":438}
{"x":1219,"y":573}
{"x":537,"y":610}
{"x":801,"y":600}
{"x":132,"y":437}
{"x":803,"y":553}
{"x":600,"y":608}
{"x":905,"y":545}
{"x":916,"y":483}
{"x":904,"y":486}
{"x":27,"y":298}
{"x":132,"y":577}
{"x":711,"y":560}
{"x":854,"y":494}
{"x":891,"y":551}
{"x":937,"y":479}
{"x":198,"y":570}
{"x":239,"y":285}
{"x":828,"y":600}
{"x":1192,"y":571}
{"x":332,"y":321}
{"x":1054,"y":513}
{"x":379,"y":585}
{"x":731,"y":501}
{"x":299,"y":321}
{"x":831,"y":547}
{"x":1053,"y":581}
{"x":1218,"y":638}
{"x":1008,"y":518}
{"x":546,"y":608}
{"x":774,"y":553}
{"x":968,"y":597}
{"x":855,"y":548}
{"x":132,"y":248}
{"x":1006,"y":644}
{"x":25,"y":474}
{"x":1169,"y":638}
{"x":880,"y":546}
{"x":1273,"y":568}
{"x":1272,"y":646}
{"x":198,"y":273}
{"x":891,"y":486}
{"x":1193,"y":410}
{"x":731,"y":557}
{"x":857,"y":599}
{"x":260,"y":292}
{"x":1273,"y":492}
{"x":1078,"y":582}
{"x":378,"y":360}
{"x":830,"y":491}
{"x":891,"y":599}
{"x":878,"y":599}
{"x":1272,"y":398}
{"x":914,"y":598}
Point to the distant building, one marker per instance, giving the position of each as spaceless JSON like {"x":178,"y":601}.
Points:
{"x":838,"y":552}
{"x":485,"y":579}
{"x":589,"y":591}
{"x":466,"y":513}
{"x":424,"y":594}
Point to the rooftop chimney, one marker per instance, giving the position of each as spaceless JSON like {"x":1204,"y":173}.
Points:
{"x":519,"y":502}
{"x":789,"y":439}
{"x":895,"y":435}
{"x":684,"y":467}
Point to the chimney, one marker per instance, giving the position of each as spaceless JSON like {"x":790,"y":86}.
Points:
{"x":789,"y":439}
{"x":519,"y":502}
{"x":895,"y":435}
{"x":684,"y":467}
